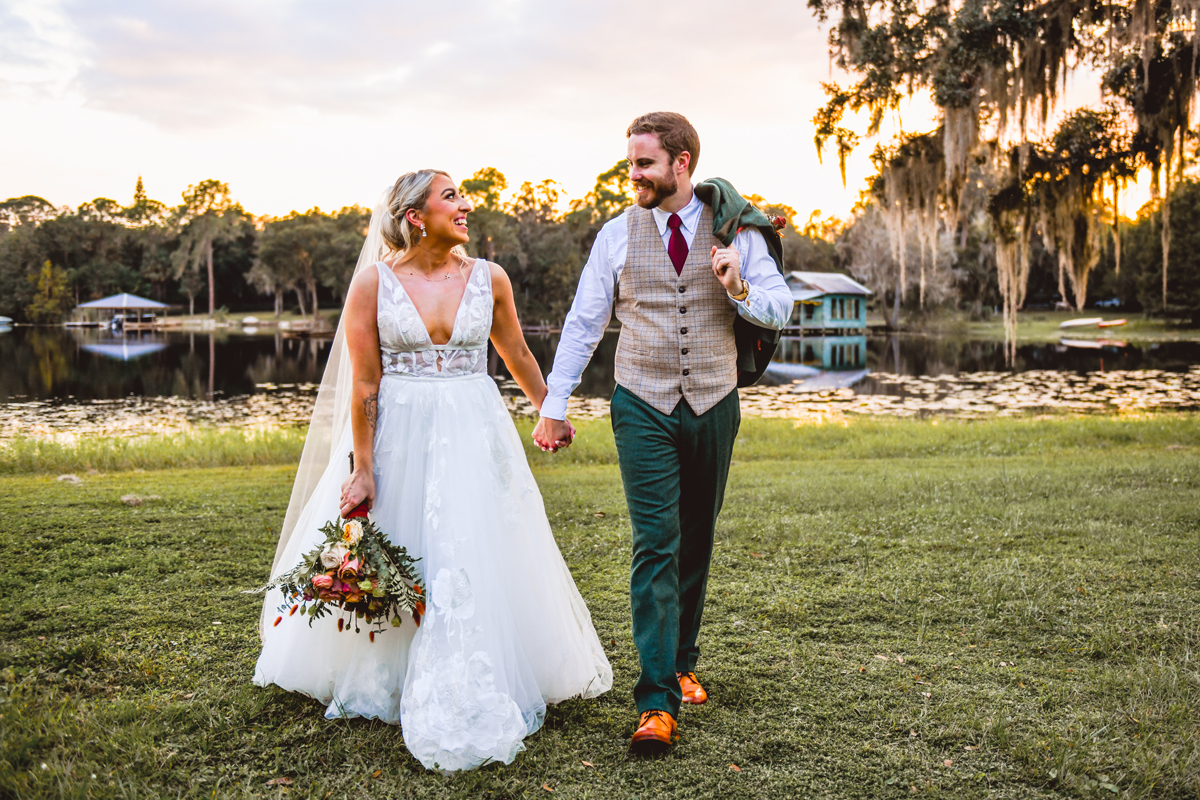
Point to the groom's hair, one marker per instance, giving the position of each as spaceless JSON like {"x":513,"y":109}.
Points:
{"x":674,"y":133}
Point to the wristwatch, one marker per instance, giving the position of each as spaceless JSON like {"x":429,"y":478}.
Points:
{"x":740,"y":296}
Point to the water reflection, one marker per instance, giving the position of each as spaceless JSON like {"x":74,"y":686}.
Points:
{"x":56,"y":363}
{"x":820,"y":362}
{"x":90,"y":364}
{"x":123,"y":349}
{"x":932,"y":356}
{"x":59,"y":383}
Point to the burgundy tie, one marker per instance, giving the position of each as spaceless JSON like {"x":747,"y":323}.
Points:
{"x":677,"y":249}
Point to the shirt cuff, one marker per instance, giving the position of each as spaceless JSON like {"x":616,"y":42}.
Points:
{"x":554,"y":408}
{"x":745,"y":301}
{"x":756,"y":307}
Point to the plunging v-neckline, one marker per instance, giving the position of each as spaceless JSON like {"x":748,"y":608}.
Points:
{"x":457,"y":311}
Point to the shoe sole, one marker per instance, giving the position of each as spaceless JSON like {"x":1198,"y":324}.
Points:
{"x":649,"y":746}
{"x":695,"y":702}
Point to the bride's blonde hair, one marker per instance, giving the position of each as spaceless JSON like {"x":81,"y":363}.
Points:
{"x":411,"y":191}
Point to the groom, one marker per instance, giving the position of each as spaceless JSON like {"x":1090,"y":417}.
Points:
{"x":676,"y":291}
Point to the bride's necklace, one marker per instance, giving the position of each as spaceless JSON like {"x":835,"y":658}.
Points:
{"x":445,"y":277}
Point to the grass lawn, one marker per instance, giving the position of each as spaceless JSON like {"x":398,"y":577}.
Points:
{"x":1042,"y":325}
{"x":960,"y":609}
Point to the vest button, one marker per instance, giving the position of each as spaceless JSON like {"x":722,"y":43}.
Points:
{"x":682,"y":310}
{"x":683,"y":351}
{"x":681,"y":289}
{"x":683,"y":330}
{"x":687,"y":372}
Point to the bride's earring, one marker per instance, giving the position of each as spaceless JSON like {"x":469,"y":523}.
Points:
{"x":423,"y":233}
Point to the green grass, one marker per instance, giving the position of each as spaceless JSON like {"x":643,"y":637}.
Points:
{"x":865,"y":438}
{"x":1016,"y":598}
{"x":1043,"y":326}
{"x":207,"y":447}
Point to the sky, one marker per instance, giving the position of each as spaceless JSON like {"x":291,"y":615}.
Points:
{"x":306,"y":103}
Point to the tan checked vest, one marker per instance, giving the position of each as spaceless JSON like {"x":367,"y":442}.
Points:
{"x":676,"y":330}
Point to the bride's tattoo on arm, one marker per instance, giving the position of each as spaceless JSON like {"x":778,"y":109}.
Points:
{"x":371,"y":409}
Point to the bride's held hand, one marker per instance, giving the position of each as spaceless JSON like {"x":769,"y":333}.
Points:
{"x":358,"y":487}
{"x":552,"y":435}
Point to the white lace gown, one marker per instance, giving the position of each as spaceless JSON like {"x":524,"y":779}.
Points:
{"x":505,"y":631}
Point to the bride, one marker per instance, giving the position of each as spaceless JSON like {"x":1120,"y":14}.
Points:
{"x":441,"y":466}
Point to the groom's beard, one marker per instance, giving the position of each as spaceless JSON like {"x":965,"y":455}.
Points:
{"x":658,"y":192}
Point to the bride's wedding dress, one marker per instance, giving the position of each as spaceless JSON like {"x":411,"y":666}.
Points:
{"x":505,"y":630}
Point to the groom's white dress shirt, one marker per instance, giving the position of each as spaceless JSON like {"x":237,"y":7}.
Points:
{"x":768,"y":305}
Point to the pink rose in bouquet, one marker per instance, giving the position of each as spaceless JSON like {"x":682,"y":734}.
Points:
{"x":350,"y":567}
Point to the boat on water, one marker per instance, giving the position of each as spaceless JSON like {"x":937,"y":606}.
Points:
{"x":1088,"y":322}
{"x":1083,"y":322}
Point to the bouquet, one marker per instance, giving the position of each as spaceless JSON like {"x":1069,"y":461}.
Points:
{"x":357,"y":570}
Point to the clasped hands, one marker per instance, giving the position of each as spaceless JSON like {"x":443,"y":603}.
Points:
{"x":553,"y":435}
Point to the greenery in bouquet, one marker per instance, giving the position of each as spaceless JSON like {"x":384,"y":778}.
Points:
{"x":357,"y":571}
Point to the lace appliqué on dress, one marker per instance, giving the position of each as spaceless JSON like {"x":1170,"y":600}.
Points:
{"x":404,"y":342}
{"x":454,"y":716}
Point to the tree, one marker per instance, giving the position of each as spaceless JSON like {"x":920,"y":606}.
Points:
{"x":145,"y":212}
{"x":1144,"y":259}
{"x":995,"y":69}
{"x":810,"y":249}
{"x":551,"y":258}
{"x":612,"y":194}
{"x":337,"y":254}
{"x":88,"y":244}
{"x":301,"y":251}
{"x":28,"y":210}
{"x":51,"y":298}
{"x":20,"y":257}
{"x":865,"y":249}
{"x":493,"y":230}
{"x":207,"y":216}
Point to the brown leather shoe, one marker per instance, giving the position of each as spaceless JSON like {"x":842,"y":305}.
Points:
{"x":693,"y":692}
{"x":655,"y":733}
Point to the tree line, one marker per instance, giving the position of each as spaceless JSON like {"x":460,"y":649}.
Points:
{"x":207,"y":249}
{"x":209,"y":252}
{"x":959,"y":267}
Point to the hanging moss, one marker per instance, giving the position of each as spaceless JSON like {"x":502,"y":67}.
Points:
{"x":995,"y":69}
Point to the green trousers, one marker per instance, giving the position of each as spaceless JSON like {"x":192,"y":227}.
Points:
{"x":674,"y":468}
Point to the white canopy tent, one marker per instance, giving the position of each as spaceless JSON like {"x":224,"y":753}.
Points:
{"x":124,"y":302}
{"x":123,"y":307}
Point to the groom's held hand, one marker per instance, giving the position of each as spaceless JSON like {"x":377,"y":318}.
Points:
{"x":727,"y":266}
{"x":552,"y":435}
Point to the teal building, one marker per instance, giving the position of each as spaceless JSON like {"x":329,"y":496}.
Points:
{"x":827,"y":303}
{"x":835,"y":353}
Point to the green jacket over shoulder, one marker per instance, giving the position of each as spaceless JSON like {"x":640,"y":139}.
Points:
{"x":732,"y":212}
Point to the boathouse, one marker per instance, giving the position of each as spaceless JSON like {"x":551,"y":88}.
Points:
{"x":827,"y":302}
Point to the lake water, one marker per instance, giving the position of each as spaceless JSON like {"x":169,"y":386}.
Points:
{"x":91,"y":364}
{"x":54,"y":379}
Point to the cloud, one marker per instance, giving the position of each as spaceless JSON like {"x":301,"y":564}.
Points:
{"x":40,"y":51}
{"x":299,"y":103}
{"x":219,"y":63}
